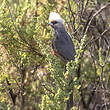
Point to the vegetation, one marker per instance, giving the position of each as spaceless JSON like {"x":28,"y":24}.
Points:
{"x":32,"y":78}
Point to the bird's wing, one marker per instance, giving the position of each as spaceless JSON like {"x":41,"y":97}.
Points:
{"x":64,"y":46}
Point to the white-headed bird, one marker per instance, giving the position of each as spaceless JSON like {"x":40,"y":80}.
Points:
{"x":62,"y":43}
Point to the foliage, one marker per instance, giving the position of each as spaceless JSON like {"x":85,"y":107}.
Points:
{"x":31,"y":77}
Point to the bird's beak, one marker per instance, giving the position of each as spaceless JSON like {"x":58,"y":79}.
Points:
{"x":50,"y":24}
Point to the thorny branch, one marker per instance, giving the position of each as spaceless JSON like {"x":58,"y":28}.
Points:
{"x":48,"y":89}
{"x":93,"y":41}
{"x":94,"y":15}
{"x":23,"y":39}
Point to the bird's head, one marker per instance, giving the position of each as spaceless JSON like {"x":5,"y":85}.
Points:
{"x":55,"y":20}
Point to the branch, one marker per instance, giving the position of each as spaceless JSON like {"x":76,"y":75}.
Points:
{"x":98,"y":12}
{"x":10,"y":91}
{"x":93,"y":40}
{"x":23,"y":74}
{"x":48,"y":89}
{"x":16,"y":30}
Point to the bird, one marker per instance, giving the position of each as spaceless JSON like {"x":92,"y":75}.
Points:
{"x":62,"y":45}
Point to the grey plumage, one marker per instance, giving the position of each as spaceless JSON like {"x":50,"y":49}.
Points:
{"x":62,"y":42}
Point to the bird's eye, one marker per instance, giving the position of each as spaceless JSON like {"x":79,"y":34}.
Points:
{"x":54,"y":22}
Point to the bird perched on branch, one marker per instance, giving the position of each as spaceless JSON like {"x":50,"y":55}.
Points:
{"x":62,"y":43}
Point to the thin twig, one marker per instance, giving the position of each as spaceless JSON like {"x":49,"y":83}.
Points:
{"x":93,"y":40}
{"x":16,"y":30}
{"x":48,"y":89}
{"x":98,"y":12}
